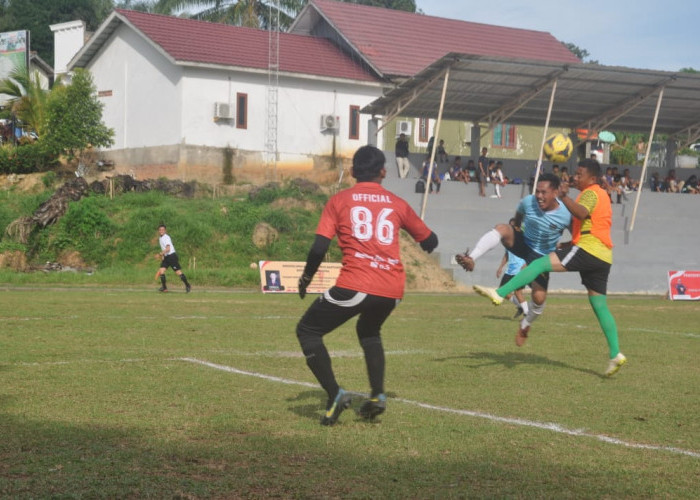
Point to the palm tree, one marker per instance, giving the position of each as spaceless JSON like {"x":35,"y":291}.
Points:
{"x":27,"y":98}
{"x":251,"y":13}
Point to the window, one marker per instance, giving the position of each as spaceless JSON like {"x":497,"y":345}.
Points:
{"x":422,"y":130}
{"x":241,"y":110}
{"x":354,"y":122}
{"x":504,"y":135}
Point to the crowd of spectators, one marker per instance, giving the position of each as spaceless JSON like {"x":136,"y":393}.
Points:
{"x":671,"y":183}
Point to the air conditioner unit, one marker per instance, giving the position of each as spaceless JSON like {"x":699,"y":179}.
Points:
{"x":223,"y":111}
{"x":330,"y":123}
{"x":404,"y":127}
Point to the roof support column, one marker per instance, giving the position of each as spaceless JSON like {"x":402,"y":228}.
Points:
{"x":544,"y":134}
{"x":436,"y":135}
{"x":475,"y":142}
{"x":642,"y":177}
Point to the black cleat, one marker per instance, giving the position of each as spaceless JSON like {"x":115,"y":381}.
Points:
{"x":340,"y":403}
{"x":373,"y":407}
{"x":188,"y":288}
{"x":162,"y":289}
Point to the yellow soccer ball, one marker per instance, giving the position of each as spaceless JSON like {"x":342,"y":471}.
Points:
{"x":558,"y":148}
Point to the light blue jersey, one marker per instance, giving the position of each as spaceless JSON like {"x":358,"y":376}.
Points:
{"x":515,"y":264}
{"x":542,"y":230}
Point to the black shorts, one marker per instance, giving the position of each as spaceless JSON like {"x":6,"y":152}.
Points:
{"x":337,"y":305}
{"x":523,"y":250}
{"x":506,"y":278}
{"x":171,"y":261}
{"x":594,"y":272}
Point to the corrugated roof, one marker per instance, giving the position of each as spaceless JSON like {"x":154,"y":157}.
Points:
{"x":399,"y":43}
{"x":495,"y":90}
{"x":203,"y":43}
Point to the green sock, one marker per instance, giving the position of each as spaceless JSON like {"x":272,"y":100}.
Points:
{"x":599,"y":303}
{"x":526,"y":276}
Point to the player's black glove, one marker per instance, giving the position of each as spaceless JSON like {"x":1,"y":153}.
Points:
{"x":304,"y":281}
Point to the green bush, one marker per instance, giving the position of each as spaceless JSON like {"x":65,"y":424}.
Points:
{"x":32,"y":157}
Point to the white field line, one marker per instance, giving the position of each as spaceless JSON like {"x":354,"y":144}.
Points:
{"x":548,"y":426}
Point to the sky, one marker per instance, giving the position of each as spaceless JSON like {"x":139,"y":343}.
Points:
{"x":644,"y":34}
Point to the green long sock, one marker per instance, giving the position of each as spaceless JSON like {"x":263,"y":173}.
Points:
{"x":526,"y":276}
{"x":599,"y":303}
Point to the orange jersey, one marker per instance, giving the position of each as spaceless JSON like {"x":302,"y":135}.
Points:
{"x":366,"y":219}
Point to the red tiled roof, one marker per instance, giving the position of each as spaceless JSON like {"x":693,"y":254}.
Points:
{"x":187,"y":40}
{"x":402,"y":43}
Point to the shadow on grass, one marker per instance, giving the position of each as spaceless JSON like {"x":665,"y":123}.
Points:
{"x":514,"y":359}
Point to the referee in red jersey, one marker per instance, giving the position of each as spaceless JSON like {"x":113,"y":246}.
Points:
{"x":366,"y":219}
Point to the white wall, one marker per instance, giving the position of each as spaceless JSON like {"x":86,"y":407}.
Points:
{"x":144,"y":107}
{"x":301,"y":102}
{"x":150,"y":101}
{"x":68,"y":39}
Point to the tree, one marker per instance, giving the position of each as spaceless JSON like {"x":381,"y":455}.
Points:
{"x":27,"y":98}
{"x":74,"y":117}
{"x":37,"y":15}
{"x":579,"y":52}
{"x":256,"y":13}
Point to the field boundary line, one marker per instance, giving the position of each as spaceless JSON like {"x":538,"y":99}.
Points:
{"x":548,"y":426}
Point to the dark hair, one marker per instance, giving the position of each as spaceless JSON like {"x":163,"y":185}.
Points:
{"x":551,"y":178}
{"x":367,"y":163}
{"x":161,"y":225}
{"x":592,"y":166}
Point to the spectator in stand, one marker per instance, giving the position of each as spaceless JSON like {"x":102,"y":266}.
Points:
{"x":655,"y":183}
{"x":435,"y":176}
{"x":441,"y":153}
{"x":671,"y":182}
{"x":565,"y":174}
{"x":691,"y":185}
{"x":555,"y":170}
{"x":497,"y":179}
{"x":458,"y":172}
{"x":628,"y":184}
{"x":401,"y":152}
{"x":471,"y":171}
{"x":482,"y":171}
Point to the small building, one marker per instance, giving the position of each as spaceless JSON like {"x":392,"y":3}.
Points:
{"x":188,"y":99}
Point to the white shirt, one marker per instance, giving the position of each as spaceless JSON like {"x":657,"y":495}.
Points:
{"x":164,"y":242}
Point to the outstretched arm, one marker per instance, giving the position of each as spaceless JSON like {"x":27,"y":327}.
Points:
{"x":313,"y":261}
{"x":430,"y":243}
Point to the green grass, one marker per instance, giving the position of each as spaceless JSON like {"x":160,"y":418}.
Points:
{"x":97,"y":401}
{"x":118,"y":238}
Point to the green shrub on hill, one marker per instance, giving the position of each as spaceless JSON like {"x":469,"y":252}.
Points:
{"x":213,"y":237}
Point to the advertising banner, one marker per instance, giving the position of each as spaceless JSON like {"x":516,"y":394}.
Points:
{"x":684,"y":285}
{"x":14,"y":52}
{"x":283,"y":276}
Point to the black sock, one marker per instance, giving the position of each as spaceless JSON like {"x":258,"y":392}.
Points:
{"x":162,"y":280}
{"x":374,"y":358}
{"x":319,"y":362}
{"x":184,"y":279}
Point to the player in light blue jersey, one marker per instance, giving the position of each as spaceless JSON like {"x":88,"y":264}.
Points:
{"x":540,"y":220}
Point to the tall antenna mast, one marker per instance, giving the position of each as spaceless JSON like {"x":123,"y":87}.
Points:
{"x":273,"y":67}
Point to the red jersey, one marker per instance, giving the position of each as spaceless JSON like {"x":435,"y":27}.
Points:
{"x":367,"y":219}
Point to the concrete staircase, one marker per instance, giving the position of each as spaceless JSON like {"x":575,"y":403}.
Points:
{"x":665,"y":237}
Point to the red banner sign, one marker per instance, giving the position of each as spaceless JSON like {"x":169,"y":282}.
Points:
{"x":684,"y":285}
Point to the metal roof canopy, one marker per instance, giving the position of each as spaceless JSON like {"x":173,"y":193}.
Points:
{"x":491,"y":90}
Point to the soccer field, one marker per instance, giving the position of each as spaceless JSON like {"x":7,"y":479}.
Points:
{"x":117,"y":393}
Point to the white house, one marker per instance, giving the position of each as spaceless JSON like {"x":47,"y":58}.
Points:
{"x":180,"y":93}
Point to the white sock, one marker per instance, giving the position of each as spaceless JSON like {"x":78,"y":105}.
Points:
{"x":525,"y":307}
{"x":534,"y":311}
{"x":487,"y":242}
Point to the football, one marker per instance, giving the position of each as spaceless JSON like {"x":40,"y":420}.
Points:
{"x":558,"y":148}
